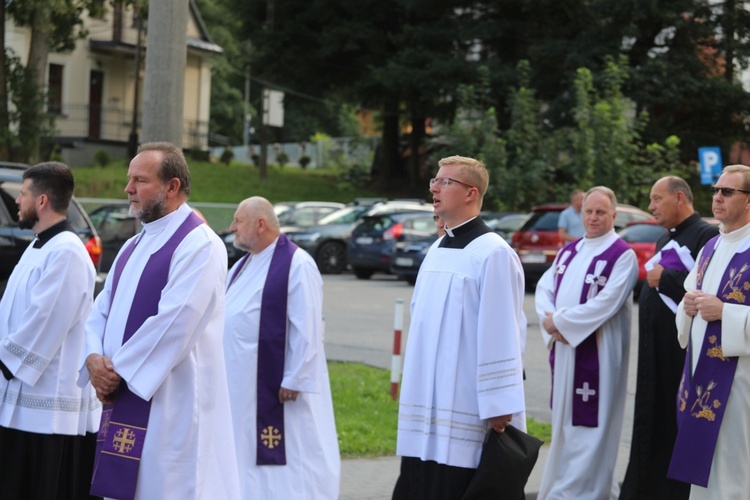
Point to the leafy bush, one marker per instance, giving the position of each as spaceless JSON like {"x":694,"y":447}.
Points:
{"x":227,"y":156}
{"x":101,"y":158}
{"x":282,"y":159}
{"x":304,"y":161}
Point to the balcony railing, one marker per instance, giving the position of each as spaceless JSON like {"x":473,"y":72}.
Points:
{"x":114,"y":124}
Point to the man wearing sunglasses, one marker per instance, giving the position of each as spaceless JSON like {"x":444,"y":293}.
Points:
{"x":463,"y":370}
{"x":660,"y":357}
{"x":712,"y":448}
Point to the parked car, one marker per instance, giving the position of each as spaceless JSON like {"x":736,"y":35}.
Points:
{"x":327,"y":241}
{"x":305,"y":214}
{"x":642,"y":237}
{"x":507,"y":225}
{"x":115,"y":226}
{"x":408,"y":256}
{"x":537,"y":241}
{"x":13,"y":240}
{"x":370,"y":249}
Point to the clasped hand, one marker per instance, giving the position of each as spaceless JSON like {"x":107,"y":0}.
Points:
{"x":104,"y":378}
{"x":709,"y":306}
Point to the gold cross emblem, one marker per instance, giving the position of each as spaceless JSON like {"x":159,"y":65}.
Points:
{"x":270,"y":437}
{"x":123,"y":440}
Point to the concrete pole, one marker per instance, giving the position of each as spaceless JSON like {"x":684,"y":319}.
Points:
{"x":164,"y":83}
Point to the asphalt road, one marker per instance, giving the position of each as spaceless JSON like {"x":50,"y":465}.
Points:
{"x":359,"y":317}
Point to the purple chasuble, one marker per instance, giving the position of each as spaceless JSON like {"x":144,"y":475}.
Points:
{"x":122,"y":430}
{"x":703,"y":395}
{"x":586,"y":374}
{"x":270,"y":447}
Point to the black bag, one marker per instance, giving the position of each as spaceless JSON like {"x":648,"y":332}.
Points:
{"x":505,"y":466}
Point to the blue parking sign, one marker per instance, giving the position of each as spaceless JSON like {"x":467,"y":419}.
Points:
{"x":710,"y":160}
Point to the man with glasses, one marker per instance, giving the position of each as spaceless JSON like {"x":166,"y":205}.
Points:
{"x":463,"y":370}
{"x":712,"y":449}
{"x":584,"y":306}
{"x":660,"y":357}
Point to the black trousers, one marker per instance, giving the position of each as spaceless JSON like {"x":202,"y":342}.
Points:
{"x":429,"y":480}
{"x":45,"y":466}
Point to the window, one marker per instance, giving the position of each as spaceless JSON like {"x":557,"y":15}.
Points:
{"x":54,"y":89}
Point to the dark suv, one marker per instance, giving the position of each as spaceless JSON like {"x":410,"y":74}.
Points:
{"x":13,"y":241}
{"x":537,"y":242}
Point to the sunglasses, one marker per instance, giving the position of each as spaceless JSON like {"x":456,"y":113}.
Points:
{"x":725,"y":191}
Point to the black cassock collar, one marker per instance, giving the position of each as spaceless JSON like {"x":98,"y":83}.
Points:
{"x":465,"y":234}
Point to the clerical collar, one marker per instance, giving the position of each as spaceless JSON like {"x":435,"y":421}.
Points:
{"x":692,"y":219}
{"x":463,"y":234}
{"x":51,"y":232}
{"x":449,"y":231}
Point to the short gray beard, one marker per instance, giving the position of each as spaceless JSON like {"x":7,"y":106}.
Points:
{"x":151,"y":211}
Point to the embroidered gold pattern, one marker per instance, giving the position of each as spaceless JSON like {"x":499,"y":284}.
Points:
{"x":704,"y":404}
{"x":715,"y":351}
{"x":270,"y":437}
{"x":123,"y":440}
{"x":735,"y":277}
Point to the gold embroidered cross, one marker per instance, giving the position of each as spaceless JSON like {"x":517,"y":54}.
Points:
{"x":124,"y":440}
{"x":270,"y":436}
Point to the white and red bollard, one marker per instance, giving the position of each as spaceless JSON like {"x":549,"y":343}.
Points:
{"x":398,"y":324}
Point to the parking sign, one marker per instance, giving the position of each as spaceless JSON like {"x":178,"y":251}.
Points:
{"x":710,"y":160}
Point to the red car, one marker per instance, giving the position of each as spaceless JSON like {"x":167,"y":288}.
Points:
{"x":642,"y":237}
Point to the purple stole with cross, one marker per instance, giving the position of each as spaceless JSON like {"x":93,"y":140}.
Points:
{"x":122,"y":431}
{"x":703,"y":395}
{"x":586,"y":374}
{"x":270,"y":447}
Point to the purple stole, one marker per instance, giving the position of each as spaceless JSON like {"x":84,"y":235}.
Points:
{"x":703,"y":395}
{"x":270,"y":447}
{"x":122,"y":431}
{"x":586,"y":375}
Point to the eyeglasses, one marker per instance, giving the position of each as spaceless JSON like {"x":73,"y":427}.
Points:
{"x":446,"y":181}
{"x":725,"y":191}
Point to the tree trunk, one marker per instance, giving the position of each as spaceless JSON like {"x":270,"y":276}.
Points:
{"x":36,"y":71}
{"x":416,"y":148}
{"x":4,"y":120}
{"x":391,"y":146}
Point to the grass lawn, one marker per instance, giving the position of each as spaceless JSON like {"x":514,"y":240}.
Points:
{"x":218,"y":183}
{"x":366,"y":416}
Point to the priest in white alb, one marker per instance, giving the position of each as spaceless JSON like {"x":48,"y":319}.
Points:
{"x":282,"y":411}
{"x":463,"y":371}
{"x":48,"y":423}
{"x":712,"y":449}
{"x":584,"y":305}
{"x":154,"y":348}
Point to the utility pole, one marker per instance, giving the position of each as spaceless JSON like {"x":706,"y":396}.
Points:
{"x":164,"y":84}
{"x":133,"y":138}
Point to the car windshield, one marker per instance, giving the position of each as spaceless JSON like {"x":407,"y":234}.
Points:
{"x":641,"y":233}
{"x":346,"y":215}
{"x":542,"y":220}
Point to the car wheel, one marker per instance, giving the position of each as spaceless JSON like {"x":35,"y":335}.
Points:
{"x":363,"y":273}
{"x":331,"y":258}
{"x":412,"y":280}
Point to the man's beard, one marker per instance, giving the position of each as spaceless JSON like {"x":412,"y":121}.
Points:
{"x":152,"y":210}
{"x":28,"y":219}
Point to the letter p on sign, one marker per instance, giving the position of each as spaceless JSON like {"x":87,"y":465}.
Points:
{"x":710,"y":160}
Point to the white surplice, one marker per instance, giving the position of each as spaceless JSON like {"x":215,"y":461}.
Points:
{"x":312,"y":452}
{"x":176,"y":360}
{"x":42,"y":316}
{"x":581,"y":460}
{"x":463,"y":360}
{"x":729,"y":478}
